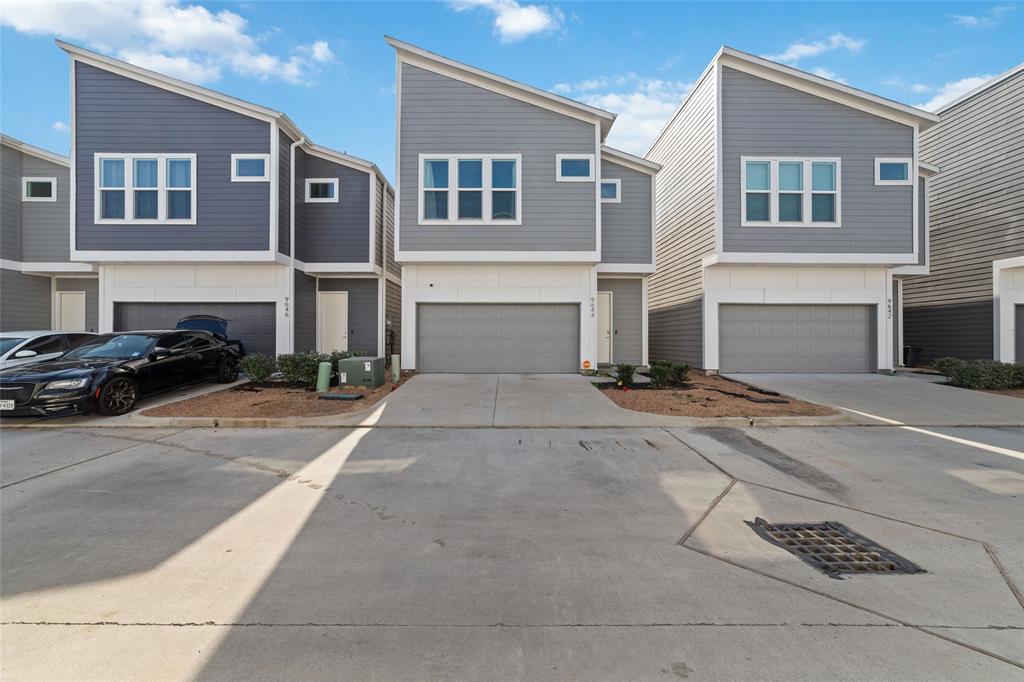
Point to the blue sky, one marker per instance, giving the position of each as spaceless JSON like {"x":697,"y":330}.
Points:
{"x":327,"y":66}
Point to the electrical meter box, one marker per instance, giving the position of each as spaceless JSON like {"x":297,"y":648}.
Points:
{"x":361,"y":371}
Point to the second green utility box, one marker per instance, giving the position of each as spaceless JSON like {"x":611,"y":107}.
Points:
{"x":361,"y":371}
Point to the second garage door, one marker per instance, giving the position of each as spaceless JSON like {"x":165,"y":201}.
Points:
{"x":498,"y":338}
{"x":251,"y":323}
{"x":796,"y":338}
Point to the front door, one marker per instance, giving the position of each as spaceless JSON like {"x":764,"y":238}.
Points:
{"x":604,"y":327}
{"x":333,"y":318}
{"x":71,"y":311}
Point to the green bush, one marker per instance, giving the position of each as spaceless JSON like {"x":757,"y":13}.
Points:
{"x":624,"y":373}
{"x":301,"y":368}
{"x":665,"y":374}
{"x":680,"y":373}
{"x":337,"y":355}
{"x":258,"y":367}
{"x":981,"y":374}
{"x":945,"y":366}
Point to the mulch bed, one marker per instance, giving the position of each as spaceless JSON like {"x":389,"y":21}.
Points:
{"x":247,"y":400}
{"x":713,"y":396}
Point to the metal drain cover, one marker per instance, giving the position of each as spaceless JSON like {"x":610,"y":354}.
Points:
{"x":833,"y":549}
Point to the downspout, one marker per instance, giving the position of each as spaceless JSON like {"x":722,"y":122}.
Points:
{"x":291,"y":237}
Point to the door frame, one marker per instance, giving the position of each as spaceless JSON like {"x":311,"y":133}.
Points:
{"x":611,"y":325}
{"x":320,"y":317}
{"x":59,"y":309}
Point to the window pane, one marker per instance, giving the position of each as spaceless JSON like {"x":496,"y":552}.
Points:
{"x":758,"y":175}
{"x":609,"y":190}
{"x":791,"y":207}
{"x":823,"y":177}
{"x":179,"y":205}
{"x":757,"y":206}
{"x":575,"y":168}
{"x":471,"y":173}
{"x":321,"y":190}
{"x":503,"y":173}
{"x":823,"y":208}
{"x":435,"y":205}
{"x":435,"y":173}
{"x":112,"y":173}
{"x":145,"y":204}
{"x":39,"y":189}
{"x":892,"y":171}
{"x":112,"y":204}
{"x":791,"y":176}
{"x":471,"y":204}
{"x":503,"y":205}
{"x":144,"y":173}
{"x":179,"y":173}
{"x":250,"y":168}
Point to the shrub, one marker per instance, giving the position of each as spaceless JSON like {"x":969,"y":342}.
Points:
{"x":947,"y":365}
{"x":258,"y":367}
{"x":301,"y":368}
{"x":337,"y":355}
{"x":981,"y":374}
{"x":624,"y":373}
{"x":665,"y":374}
{"x":680,"y":373}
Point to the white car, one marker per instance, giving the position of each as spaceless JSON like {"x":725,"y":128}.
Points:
{"x":22,"y":348}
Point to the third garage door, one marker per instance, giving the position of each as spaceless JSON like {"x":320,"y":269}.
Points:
{"x":498,"y":338}
{"x":796,"y":338}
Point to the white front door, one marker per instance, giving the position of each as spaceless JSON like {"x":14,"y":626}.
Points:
{"x":71,"y":311}
{"x":333,"y":317}
{"x":604,"y":327}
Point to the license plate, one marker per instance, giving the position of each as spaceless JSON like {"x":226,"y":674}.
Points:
{"x":6,"y":404}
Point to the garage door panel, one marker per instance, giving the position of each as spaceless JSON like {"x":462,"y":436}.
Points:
{"x":252,"y":323}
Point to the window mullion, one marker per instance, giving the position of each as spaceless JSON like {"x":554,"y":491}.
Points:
{"x":129,"y":189}
{"x":453,"y":188}
{"x":161,"y":189}
{"x":486,"y":191}
{"x":805,"y":198}
{"x":773,"y":192}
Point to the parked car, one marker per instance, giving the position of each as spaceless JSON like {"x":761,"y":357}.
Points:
{"x":110,"y":373}
{"x":217,"y":326}
{"x":22,"y":348}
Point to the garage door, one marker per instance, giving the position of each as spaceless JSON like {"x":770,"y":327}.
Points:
{"x":485,"y":338}
{"x":251,"y":323}
{"x":796,"y":338}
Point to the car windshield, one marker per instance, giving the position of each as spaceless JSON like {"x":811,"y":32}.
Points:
{"x":7,"y":343}
{"x":120,"y":347}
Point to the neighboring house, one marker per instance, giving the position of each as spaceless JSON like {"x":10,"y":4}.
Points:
{"x":190,"y":201}
{"x":787,"y":205}
{"x":40,"y":288}
{"x":525,"y":243}
{"x":971,"y":304}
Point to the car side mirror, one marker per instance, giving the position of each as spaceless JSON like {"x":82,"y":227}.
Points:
{"x":26,"y":354}
{"x":159,"y":354}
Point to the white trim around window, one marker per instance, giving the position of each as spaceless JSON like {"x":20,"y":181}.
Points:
{"x":909,"y":175}
{"x":134,"y":187}
{"x":483,"y":182}
{"x":34,"y":180}
{"x":333,"y":199}
{"x":559,"y":158}
{"x":617,"y":199}
{"x":265,"y":158}
{"x":805,"y":189}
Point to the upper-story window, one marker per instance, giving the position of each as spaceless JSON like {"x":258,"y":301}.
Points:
{"x":574,"y":167}
{"x":39,"y":189}
{"x":892,"y":172}
{"x":470,"y":189}
{"x":611,"y":191}
{"x":146,"y":188}
{"x":250,"y":167}
{"x":321,"y":190}
{"x":790,"y":191}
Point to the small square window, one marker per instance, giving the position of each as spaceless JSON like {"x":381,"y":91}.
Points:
{"x":250,"y":167}
{"x":321,"y":190}
{"x":39,"y":189}
{"x":892,"y":172}
{"x":574,"y":167}
{"x":610,"y":191}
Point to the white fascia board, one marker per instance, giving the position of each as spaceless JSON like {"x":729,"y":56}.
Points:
{"x":629,"y":160}
{"x":981,"y":88}
{"x":194,"y":257}
{"x":911,"y":270}
{"x":637,"y":268}
{"x":37,"y":152}
{"x":318,"y":268}
{"x":708,"y":70}
{"x":927,"y":169}
{"x":846,"y":259}
{"x":338,"y":157}
{"x":41,"y":268}
{"x":481,"y":257}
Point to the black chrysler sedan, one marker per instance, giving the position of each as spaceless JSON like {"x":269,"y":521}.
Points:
{"x":110,"y":373}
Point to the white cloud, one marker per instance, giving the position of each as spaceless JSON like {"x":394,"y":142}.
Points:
{"x":188,"y":41}
{"x":986,"y":20}
{"x":920,"y":88}
{"x":60,"y":126}
{"x":514,"y":21}
{"x":826,"y":73}
{"x":951,"y":90}
{"x":797,"y":51}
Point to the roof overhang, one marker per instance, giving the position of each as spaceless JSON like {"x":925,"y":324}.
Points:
{"x":32,"y":150}
{"x":927,"y":169}
{"x":629,"y":160}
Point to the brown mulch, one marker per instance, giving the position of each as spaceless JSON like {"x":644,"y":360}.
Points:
{"x":1011,"y":392}
{"x":271,"y":401}
{"x":702,"y":397}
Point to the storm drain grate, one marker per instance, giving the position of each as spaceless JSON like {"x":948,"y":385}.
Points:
{"x":834,"y":549}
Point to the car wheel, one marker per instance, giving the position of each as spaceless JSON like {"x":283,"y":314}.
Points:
{"x":118,"y":397}
{"x":227,"y":370}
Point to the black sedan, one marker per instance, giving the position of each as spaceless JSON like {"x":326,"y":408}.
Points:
{"x":110,"y":373}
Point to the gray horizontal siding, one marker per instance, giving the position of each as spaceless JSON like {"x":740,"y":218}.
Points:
{"x":305,"y":312}
{"x":90,"y":285}
{"x":10,"y":203}
{"x":24,"y":301}
{"x":761,"y":118}
{"x":440,"y":115}
{"x":626,"y":226}
{"x":46,"y":232}
{"x":389,"y":232}
{"x":115,"y":114}
{"x":362,"y":310}
{"x":337,"y":232}
{"x":284,"y":193}
{"x":627,"y":318}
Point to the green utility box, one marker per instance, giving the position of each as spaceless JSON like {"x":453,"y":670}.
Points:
{"x":361,"y":371}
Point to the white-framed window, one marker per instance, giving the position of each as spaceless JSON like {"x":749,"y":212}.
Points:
{"x":893,"y":171}
{"x":39,"y":189}
{"x":790,"y":191}
{"x":611,"y":191}
{"x":145,"y":189}
{"x":470,"y":189}
{"x":574,"y":167}
{"x":250,"y":167}
{"x":321,"y":190}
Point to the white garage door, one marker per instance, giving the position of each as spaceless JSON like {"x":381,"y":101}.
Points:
{"x":796,"y":338}
{"x":487,"y":338}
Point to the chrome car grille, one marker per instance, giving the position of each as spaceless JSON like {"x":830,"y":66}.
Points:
{"x":20,"y":393}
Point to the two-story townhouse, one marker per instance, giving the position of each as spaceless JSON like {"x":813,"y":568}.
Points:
{"x":188,"y":201}
{"x":971,"y":304}
{"x":525,"y":242}
{"x":40,"y":288}
{"x":786,"y":204}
